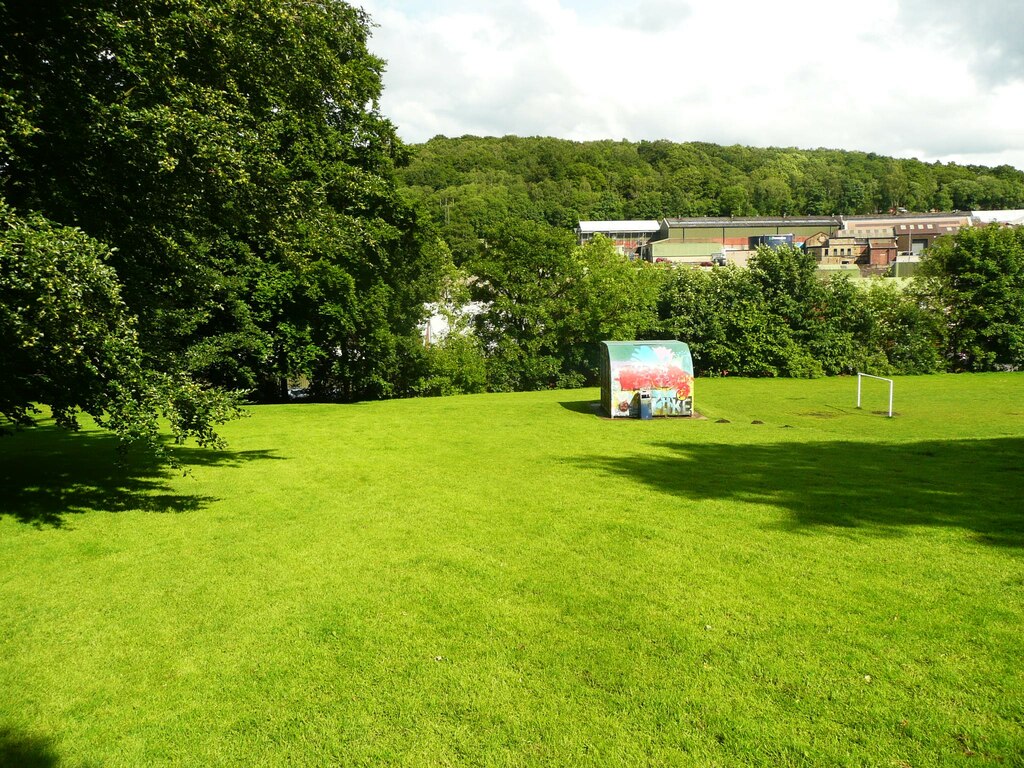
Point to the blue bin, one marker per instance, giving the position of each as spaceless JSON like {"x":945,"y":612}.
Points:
{"x":644,"y":396}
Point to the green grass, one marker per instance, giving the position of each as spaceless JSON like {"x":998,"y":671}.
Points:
{"x":511,"y":580}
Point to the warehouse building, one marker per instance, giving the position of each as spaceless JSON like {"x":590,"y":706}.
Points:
{"x":709,"y":240}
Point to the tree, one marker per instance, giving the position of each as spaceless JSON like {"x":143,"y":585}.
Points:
{"x":454,"y":365}
{"x":67,"y":341}
{"x":788,"y":279}
{"x":894,"y":187}
{"x":840,"y":323}
{"x":904,"y":337}
{"x":773,"y":197}
{"x":519,"y":276}
{"x":735,"y":201}
{"x":611,"y":298}
{"x":976,"y":280}
{"x":453,"y":362}
{"x":547,"y":303}
{"x":233,"y":155}
{"x":965,"y":194}
{"x":855,"y":196}
{"x":727,"y":322}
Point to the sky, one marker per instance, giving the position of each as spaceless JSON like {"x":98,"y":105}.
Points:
{"x":932,"y":79}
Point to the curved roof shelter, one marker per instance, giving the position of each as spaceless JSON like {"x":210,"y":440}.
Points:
{"x":661,"y":370}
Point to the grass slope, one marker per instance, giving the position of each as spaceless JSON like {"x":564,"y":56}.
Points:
{"x":510,"y":580}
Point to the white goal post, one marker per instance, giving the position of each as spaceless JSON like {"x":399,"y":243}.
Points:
{"x":861,"y":376}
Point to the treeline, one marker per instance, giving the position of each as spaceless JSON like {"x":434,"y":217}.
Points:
{"x":470,"y":185}
{"x":544,"y":304}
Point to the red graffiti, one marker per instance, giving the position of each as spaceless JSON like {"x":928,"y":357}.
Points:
{"x":639,"y":376}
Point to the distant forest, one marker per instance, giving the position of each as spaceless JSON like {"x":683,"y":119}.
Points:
{"x":470,"y":185}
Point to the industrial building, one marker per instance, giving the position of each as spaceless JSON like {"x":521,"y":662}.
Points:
{"x":627,"y":236}
{"x":869,"y":243}
{"x":731,"y":240}
{"x":913,"y":232}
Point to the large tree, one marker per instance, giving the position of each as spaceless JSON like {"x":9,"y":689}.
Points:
{"x":233,"y":155}
{"x":976,"y":281}
{"x":67,"y":341}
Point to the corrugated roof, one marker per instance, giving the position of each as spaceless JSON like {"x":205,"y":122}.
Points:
{"x":753,"y":221}
{"x":637,"y":225}
{"x":897,"y":218}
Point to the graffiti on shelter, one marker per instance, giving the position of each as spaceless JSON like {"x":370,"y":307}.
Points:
{"x":664,"y":371}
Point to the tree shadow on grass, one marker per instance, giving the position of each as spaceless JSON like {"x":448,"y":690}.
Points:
{"x":881,"y":488}
{"x":19,"y":750}
{"x":47,"y":473}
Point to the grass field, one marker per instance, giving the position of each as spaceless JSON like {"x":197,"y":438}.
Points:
{"x":511,"y":580}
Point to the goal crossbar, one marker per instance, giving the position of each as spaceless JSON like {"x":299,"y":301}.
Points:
{"x":861,"y":376}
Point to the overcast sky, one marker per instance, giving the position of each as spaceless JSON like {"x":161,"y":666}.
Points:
{"x":932,"y":79}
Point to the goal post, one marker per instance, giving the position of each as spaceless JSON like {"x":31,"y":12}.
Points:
{"x":862,"y":376}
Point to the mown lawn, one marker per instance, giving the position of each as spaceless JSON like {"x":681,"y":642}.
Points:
{"x":511,"y":580}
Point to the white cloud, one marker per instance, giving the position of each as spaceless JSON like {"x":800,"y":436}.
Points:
{"x":987,"y":34}
{"x":792,"y":73}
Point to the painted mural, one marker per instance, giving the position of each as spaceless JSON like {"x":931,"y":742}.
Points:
{"x":665,"y":369}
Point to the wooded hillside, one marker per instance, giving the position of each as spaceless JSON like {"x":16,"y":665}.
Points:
{"x":471,"y":184}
